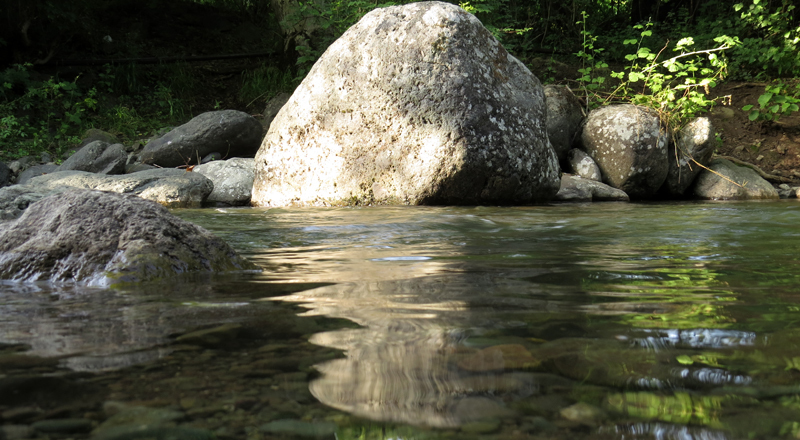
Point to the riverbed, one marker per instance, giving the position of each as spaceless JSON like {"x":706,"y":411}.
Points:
{"x":615,"y":320}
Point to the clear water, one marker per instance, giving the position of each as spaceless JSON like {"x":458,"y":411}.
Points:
{"x":566,"y":321}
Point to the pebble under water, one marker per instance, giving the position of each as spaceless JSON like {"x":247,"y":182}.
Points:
{"x":580,"y":321}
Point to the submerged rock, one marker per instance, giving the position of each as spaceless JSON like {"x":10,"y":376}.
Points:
{"x":300,"y":428}
{"x":100,"y":238}
{"x":415,"y":104}
{"x":727,"y":181}
{"x":500,"y":357}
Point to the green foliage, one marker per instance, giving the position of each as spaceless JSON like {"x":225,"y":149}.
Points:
{"x":677,"y":87}
{"x":41,"y":115}
{"x":776,"y":101}
{"x":772,"y":46}
{"x":50,"y":115}
{"x":590,"y":64}
{"x":264,"y":82}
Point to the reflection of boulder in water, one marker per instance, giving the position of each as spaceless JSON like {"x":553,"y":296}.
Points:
{"x":412,"y":381}
{"x":403,"y":365}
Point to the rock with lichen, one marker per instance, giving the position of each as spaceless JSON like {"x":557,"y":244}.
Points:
{"x":100,"y":238}
{"x":629,"y":145}
{"x":415,"y":104}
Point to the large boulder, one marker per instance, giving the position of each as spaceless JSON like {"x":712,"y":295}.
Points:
{"x":169,"y":187}
{"x":629,"y":145}
{"x":692,"y":150}
{"x":101,"y":238}
{"x":727,"y":181}
{"x":232,"y":178}
{"x":415,"y":104}
{"x":230,"y":133}
{"x":564,"y":117}
{"x":98,"y":157}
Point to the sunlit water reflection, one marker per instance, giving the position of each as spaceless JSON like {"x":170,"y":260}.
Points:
{"x":676,"y":320}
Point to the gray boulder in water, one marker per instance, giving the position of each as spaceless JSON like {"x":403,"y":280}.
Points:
{"x":99,"y":238}
{"x":414,"y":104}
{"x":694,"y":145}
{"x":168,"y":186}
{"x":727,"y":181}
{"x":230,"y":133}
{"x":232,"y":178}
{"x":630,"y":147}
{"x":98,"y":157}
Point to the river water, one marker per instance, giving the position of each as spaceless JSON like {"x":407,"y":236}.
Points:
{"x":617,"y":320}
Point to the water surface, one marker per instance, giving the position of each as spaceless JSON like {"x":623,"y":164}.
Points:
{"x":669,"y":320}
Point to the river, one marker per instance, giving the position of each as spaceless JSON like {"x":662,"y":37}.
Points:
{"x":615,"y":320}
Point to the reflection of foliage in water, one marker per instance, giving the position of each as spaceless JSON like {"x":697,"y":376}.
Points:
{"x":680,"y":407}
{"x":678,"y":298}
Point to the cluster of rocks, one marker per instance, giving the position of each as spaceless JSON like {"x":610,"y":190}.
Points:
{"x":185,"y":167}
{"x":419,"y":104}
{"x":415,"y":104}
{"x":92,"y":219}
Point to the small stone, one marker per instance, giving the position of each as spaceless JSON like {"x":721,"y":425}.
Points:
{"x":134,"y":416}
{"x":300,"y":428}
{"x":188,"y":403}
{"x":15,"y":432}
{"x":723,"y":112}
{"x":211,"y":157}
{"x":65,"y":426}
{"x":584,"y":414}
{"x":485,"y":426}
{"x":760,"y":157}
{"x":499,"y":357}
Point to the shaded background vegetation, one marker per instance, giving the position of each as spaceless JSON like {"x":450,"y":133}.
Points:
{"x":134,"y":66}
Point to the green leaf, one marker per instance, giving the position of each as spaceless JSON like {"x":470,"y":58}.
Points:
{"x":753,"y":115}
{"x":647,"y":33}
{"x":685,"y":360}
{"x":775,"y":108}
{"x":630,"y":57}
{"x":631,"y":41}
{"x":764,"y":99}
